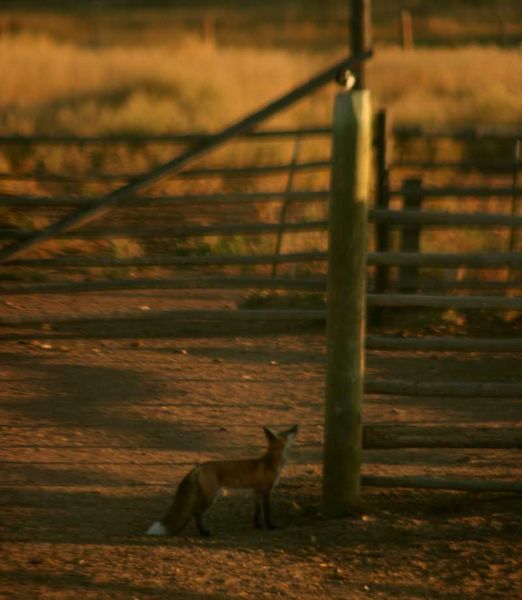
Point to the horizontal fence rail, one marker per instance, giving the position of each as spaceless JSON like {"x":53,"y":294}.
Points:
{"x":444,"y":389}
{"x":202,"y":137}
{"x":460,"y":191}
{"x":463,"y":133}
{"x":181,"y":315}
{"x":176,"y":283}
{"x":444,"y":219}
{"x":187,"y":199}
{"x":441,"y":260}
{"x":166,"y":260}
{"x":501,"y":166}
{"x":276,"y":169}
{"x":447,"y":260}
{"x":391,"y":217}
{"x":442,"y":483}
{"x":443,"y":344}
{"x":380,"y":437}
{"x":183,"y":231}
{"x":313,"y":284}
{"x":192,"y":138}
{"x":204,"y":173}
{"x":391,"y":300}
{"x":458,"y":302}
{"x":253,"y":197}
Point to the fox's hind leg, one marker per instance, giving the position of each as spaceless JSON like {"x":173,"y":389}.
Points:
{"x":205,"y":499}
{"x":203,"y":531}
{"x":257,"y":511}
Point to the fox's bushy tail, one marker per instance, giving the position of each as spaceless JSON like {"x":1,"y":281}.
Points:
{"x":182,"y":509}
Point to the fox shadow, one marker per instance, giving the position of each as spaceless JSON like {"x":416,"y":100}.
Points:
{"x":118,"y":516}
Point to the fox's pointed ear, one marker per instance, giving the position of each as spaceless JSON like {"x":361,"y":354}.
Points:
{"x":291,"y":432}
{"x":270,"y":435}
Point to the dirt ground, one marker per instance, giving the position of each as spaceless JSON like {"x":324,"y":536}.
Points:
{"x":100,"y":422}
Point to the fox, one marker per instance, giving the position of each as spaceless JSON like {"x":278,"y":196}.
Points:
{"x":198,"y":489}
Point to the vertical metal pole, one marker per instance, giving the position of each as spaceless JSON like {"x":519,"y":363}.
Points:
{"x":360,"y":37}
{"x":286,"y":203}
{"x":346,"y":308}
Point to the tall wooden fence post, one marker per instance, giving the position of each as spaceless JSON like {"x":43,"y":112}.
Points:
{"x":406,"y":28}
{"x":512,"y":241}
{"x":382,"y":201}
{"x":346,"y":301}
{"x":410,"y":235}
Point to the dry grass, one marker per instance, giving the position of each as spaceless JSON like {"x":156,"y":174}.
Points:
{"x":50,"y":86}
{"x":466,"y":86}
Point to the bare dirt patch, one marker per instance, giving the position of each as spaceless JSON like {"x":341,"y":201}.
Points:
{"x":100,"y":422}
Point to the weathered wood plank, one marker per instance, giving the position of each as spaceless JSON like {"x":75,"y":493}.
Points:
{"x":445,"y":219}
{"x":177,"y":283}
{"x":170,"y":315}
{"x":442,"y":483}
{"x":187,"y":199}
{"x":203,"y":173}
{"x":440,"y":436}
{"x":474,"y":260}
{"x":461,"y":192}
{"x":167,"y":138}
{"x":442,"y":388}
{"x":462,"y":302}
{"x":444,"y":344}
{"x":346,"y":308}
{"x":168,"y":260}
{"x":447,"y":260}
{"x":502,"y":166}
{"x":181,"y":231}
{"x":463,"y":133}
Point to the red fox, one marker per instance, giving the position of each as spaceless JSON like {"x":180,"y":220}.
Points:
{"x":199,"y":487}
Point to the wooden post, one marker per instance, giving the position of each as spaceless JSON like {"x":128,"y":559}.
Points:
{"x":346,"y":302}
{"x":382,"y":201}
{"x":406,"y":30}
{"x":512,"y":242}
{"x":410,"y":235}
{"x":208,"y":29}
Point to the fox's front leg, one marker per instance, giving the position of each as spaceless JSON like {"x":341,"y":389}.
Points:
{"x":262,"y":518}
{"x":257,"y":511}
{"x":266,"y":511}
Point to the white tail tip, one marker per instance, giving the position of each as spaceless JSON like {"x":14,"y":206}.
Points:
{"x":157,"y":528}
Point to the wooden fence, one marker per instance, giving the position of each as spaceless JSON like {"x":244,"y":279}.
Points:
{"x":410,"y":220}
{"x":396,"y":264}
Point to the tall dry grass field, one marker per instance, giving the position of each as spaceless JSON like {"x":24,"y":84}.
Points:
{"x":50,"y":86}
